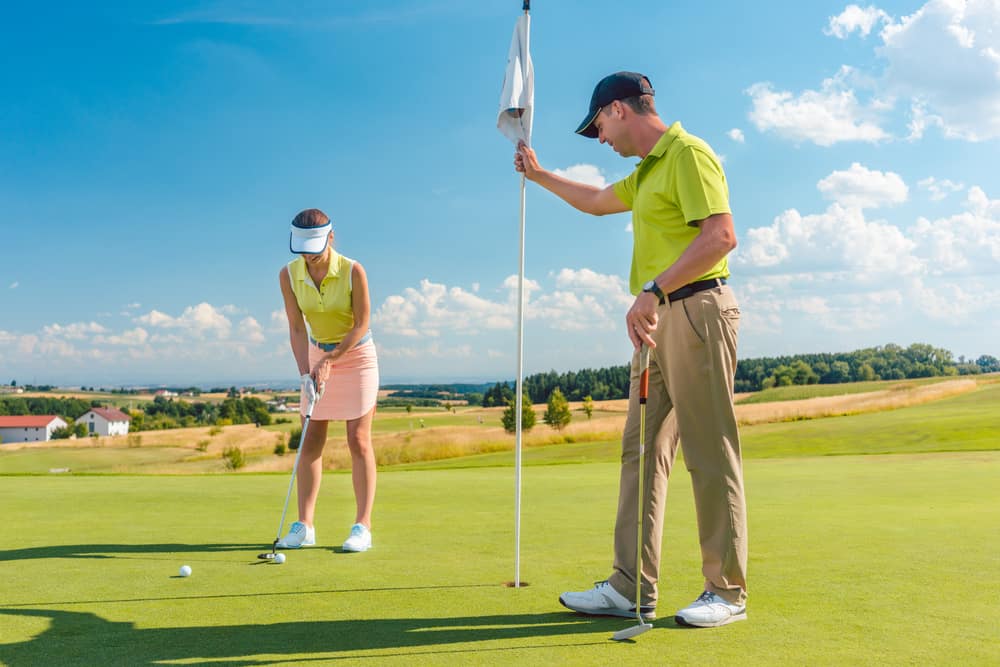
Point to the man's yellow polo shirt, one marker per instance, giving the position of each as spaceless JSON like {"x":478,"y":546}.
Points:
{"x":328,"y":310}
{"x":678,"y":184}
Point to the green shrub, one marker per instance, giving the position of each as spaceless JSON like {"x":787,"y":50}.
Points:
{"x":234,"y":458}
{"x":215,"y":430}
{"x":202,"y":445}
{"x":293,"y":438}
{"x":134,"y":440}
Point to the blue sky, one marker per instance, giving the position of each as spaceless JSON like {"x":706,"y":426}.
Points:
{"x":153,"y":154}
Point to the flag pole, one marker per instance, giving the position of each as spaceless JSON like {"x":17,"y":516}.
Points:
{"x":520,"y":377}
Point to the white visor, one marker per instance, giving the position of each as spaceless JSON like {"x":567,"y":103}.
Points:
{"x":309,"y":240}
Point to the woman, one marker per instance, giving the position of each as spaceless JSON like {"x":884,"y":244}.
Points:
{"x":338,"y":368}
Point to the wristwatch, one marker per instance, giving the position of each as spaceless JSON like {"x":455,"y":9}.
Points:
{"x":651,"y":286}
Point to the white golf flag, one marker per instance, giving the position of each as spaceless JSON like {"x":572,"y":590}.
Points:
{"x":518,"y":97}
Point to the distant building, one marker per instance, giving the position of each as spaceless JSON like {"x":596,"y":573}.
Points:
{"x":165,"y":393}
{"x":29,"y":428}
{"x":10,"y":389}
{"x":105,"y":421}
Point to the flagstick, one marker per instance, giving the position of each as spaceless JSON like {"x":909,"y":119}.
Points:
{"x":518,"y":410}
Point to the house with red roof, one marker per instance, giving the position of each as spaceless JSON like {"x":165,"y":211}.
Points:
{"x":28,"y":428}
{"x":105,"y":421}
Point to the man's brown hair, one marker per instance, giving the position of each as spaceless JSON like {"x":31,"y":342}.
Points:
{"x":641,"y":104}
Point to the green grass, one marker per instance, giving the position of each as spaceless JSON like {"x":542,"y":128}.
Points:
{"x":802,"y":392}
{"x":854,"y":560}
{"x":968,"y":422}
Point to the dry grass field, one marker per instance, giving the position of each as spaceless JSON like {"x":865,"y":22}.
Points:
{"x":401,"y":438}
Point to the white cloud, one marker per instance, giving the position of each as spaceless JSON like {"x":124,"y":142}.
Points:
{"x":136,"y":336}
{"x":839,"y":272}
{"x":250,"y":331}
{"x":855,"y":18}
{"x":736,"y":135}
{"x":14,"y":285}
{"x":825,"y":117}
{"x":940,"y":65}
{"x":278,"y":321}
{"x":964,"y":243}
{"x":864,"y":188}
{"x":200,"y":320}
{"x":583,"y":173}
{"x":75,"y":331}
{"x":433,"y":350}
{"x":939,"y":189}
{"x":839,"y":239}
{"x":581,"y":299}
{"x":434,"y":309}
{"x":944,"y":58}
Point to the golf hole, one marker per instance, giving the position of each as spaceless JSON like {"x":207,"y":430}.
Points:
{"x":510,"y":584}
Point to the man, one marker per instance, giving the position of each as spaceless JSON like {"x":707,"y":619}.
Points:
{"x":689,"y":318}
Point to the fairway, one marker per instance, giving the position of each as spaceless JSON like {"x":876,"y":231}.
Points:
{"x":854,"y":560}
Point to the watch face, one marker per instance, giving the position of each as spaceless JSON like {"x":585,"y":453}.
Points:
{"x":648,"y":287}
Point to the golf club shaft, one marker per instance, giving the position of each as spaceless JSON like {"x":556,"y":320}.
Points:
{"x":643,"y":394}
{"x":295,"y":468}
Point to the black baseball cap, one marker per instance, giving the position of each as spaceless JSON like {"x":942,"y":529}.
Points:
{"x":613,"y":87}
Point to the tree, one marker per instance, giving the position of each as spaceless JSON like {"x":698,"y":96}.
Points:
{"x":557,"y":414}
{"x":509,"y":418}
{"x":588,"y":405}
{"x":409,"y":408}
{"x":80,"y":429}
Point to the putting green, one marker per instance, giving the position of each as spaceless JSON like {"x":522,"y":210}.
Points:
{"x":854,"y":560}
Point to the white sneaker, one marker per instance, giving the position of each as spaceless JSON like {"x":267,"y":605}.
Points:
{"x":360,"y":539}
{"x":299,"y":535}
{"x":710,"y":611}
{"x":603,"y":600}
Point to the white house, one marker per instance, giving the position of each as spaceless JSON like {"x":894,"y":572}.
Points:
{"x":105,"y":421}
{"x":29,"y":428}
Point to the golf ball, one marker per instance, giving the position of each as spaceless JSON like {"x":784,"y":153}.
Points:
{"x":279,"y":558}
{"x":185,"y":571}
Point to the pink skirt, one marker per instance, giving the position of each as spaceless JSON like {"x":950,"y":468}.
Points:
{"x":352,"y":386}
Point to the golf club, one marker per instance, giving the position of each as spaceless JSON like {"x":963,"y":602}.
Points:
{"x":269,"y":555}
{"x":642,"y":627}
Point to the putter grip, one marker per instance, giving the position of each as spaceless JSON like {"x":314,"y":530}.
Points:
{"x":643,"y":374}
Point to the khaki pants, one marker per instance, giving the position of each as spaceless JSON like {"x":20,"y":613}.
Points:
{"x":690,"y":401}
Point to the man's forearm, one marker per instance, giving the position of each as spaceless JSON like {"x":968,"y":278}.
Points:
{"x":705,"y":251}
{"x":580,"y":196}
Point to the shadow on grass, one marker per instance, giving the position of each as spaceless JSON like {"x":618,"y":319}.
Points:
{"x":113,"y":550}
{"x":85,"y":638}
{"x":63,"y":603}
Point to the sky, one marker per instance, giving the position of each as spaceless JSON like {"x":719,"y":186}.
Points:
{"x":153,"y":154}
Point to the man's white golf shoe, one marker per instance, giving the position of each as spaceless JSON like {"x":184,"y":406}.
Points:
{"x":603,"y":600}
{"x":710,"y":611}
{"x":299,"y":535}
{"x":360,"y":539}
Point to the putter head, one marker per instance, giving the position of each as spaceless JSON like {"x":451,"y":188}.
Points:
{"x":634,"y":631}
{"x":269,"y":555}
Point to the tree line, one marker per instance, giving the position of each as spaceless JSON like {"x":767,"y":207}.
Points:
{"x":887,"y":362}
{"x":161,"y":413}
